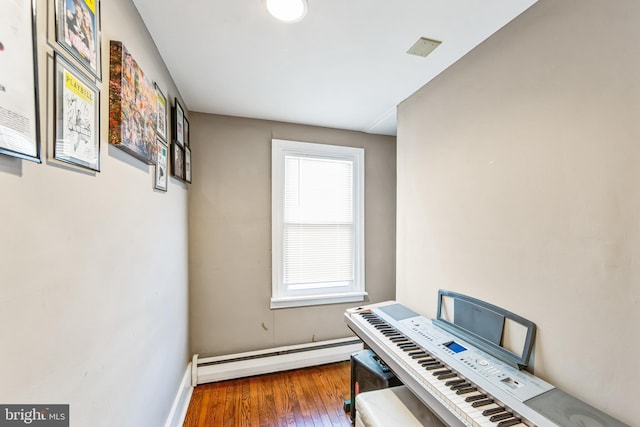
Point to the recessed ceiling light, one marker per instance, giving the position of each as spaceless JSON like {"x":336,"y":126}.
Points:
{"x":287,"y":10}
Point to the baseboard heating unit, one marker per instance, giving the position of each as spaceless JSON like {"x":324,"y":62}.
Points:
{"x":220,"y":368}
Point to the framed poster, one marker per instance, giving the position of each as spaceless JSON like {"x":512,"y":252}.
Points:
{"x":19,"y":100}
{"x":132,"y":106}
{"x":77,"y":122}
{"x":177,"y":161}
{"x":162,"y":165}
{"x":78,"y":31}
{"x":161,"y":111}
{"x":178,"y":123}
{"x":186,"y":132}
{"x":187,"y":164}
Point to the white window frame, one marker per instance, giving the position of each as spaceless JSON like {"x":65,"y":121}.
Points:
{"x":281,"y":297}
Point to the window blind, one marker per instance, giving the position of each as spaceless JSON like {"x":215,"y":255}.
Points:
{"x":318,"y":240}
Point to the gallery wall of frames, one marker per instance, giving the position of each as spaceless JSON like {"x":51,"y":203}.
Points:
{"x":138,"y":108}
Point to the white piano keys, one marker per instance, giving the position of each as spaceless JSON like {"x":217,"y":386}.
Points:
{"x":457,"y":403}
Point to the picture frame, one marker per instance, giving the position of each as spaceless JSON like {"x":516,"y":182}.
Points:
{"x":187,"y":164}
{"x":186,"y":132}
{"x":162,"y":166}
{"x":177,"y":123}
{"x":77,"y":117}
{"x":78,"y":32}
{"x":132,"y":106}
{"x":19,"y":89}
{"x":177,"y":161}
{"x":161,"y":111}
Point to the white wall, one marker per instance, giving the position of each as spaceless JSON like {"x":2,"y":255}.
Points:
{"x":93,"y":267}
{"x":518,"y":183}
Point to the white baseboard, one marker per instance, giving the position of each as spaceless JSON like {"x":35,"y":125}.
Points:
{"x":181,"y":402}
{"x":241,"y":365}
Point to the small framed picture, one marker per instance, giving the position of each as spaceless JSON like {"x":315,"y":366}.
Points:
{"x":77,"y":112}
{"x":178,"y":123}
{"x":187,"y":164}
{"x":162,"y":165}
{"x":161,"y":111}
{"x":78,"y":32}
{"x":19,"y":99}
{"x":177,"y":161}
{"x":186,"y":132}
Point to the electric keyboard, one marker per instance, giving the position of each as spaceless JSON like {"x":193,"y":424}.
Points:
{"x":462,"y":384}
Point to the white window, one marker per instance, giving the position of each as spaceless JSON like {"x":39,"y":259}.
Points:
{"x":317,"y":197}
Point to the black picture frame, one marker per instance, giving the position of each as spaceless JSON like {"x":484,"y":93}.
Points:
{"x":187,"y":136}
{"x":177,"y":123}
{"x":177,"y":161}
{"x":77,"y":116}
{"x":78,"y":32}
{"x":20,"y":133}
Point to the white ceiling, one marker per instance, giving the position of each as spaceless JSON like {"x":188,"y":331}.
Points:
{"x":343,"y":66}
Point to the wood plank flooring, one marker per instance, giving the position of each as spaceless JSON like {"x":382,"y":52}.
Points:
{"x":310,"y":397}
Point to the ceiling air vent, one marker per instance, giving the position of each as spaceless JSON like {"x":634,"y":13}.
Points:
{"x":423,"y":47}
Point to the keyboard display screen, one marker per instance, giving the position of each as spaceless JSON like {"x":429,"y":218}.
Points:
{"x":455,"y":347}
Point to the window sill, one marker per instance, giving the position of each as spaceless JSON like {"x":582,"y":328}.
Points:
{"x":302,"y":301}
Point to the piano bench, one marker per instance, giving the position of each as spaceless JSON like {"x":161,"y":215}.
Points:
{"x":395,"y":406}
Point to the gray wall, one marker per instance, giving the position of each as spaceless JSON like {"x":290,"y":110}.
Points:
{"x":93,"y":267}
{"x":230,"y":235}
{"x":518,"y":183}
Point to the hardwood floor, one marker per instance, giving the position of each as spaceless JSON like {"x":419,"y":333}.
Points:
{"x":309,"y":397}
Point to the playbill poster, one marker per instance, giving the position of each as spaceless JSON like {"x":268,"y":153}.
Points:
{"x":77,"y":140}
{"x":78,"y":31}
{"x":18,"y":99}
